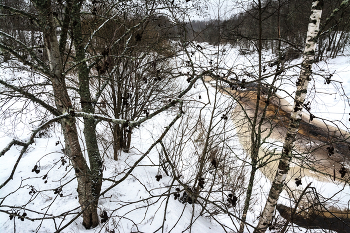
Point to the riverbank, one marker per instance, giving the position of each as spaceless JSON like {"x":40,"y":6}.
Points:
{"x":311,"y":154}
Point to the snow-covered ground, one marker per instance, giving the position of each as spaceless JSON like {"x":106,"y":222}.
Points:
{"x":140,"y":203}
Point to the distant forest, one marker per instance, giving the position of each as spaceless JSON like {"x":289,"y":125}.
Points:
{"x":287,"y":19}
{"x":284,"y":20}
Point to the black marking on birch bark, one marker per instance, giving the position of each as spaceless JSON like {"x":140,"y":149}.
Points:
{"x":311,"y":117}
{"x":318,"y":6}
{"x":297,"y":107}
{"x":307,"y":106}
{"x":313,"y":21}
{"x":283,"y":168}
{"x":310,"y":53}
{"x":286,"y":151}
{"x":305,"y":65}
{"x":298,"y":93}
{"x":299,"y":82}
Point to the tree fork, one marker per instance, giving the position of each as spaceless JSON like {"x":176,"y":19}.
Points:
{"x":88,"y":189}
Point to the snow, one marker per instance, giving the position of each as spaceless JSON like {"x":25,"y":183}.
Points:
{"x":140,"y":203}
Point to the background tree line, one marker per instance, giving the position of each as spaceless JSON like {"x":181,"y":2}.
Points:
{"x":289,"y":18}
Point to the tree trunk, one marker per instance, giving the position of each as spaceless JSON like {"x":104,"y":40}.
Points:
{"x":96,"y":171}
{"x":302,"y":85}
{"x":247,"y":199}
{"x":88,"y":189}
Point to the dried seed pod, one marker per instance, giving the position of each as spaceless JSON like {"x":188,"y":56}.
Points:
{"x":158,"y":177}
{"x":224,"y":117}
{"x":201,"y":182}
{"x":35,"y":168}
{"x":104,"y":216}
{"x":176,"y":196}
{"x":214,"y":163}
{"x":342,"y":171}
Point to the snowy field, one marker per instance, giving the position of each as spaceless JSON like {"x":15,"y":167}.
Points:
{"x":140,"y":203}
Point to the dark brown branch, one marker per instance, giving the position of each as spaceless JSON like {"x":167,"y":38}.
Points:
{"x":8,"y":147}
{"x":32,"y":97}
{"x":28,"y":143}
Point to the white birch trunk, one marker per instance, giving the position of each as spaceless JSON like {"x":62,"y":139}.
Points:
{"x":302,"y":85}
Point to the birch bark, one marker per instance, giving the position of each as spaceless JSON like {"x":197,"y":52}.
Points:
{"x":302,"y":85}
